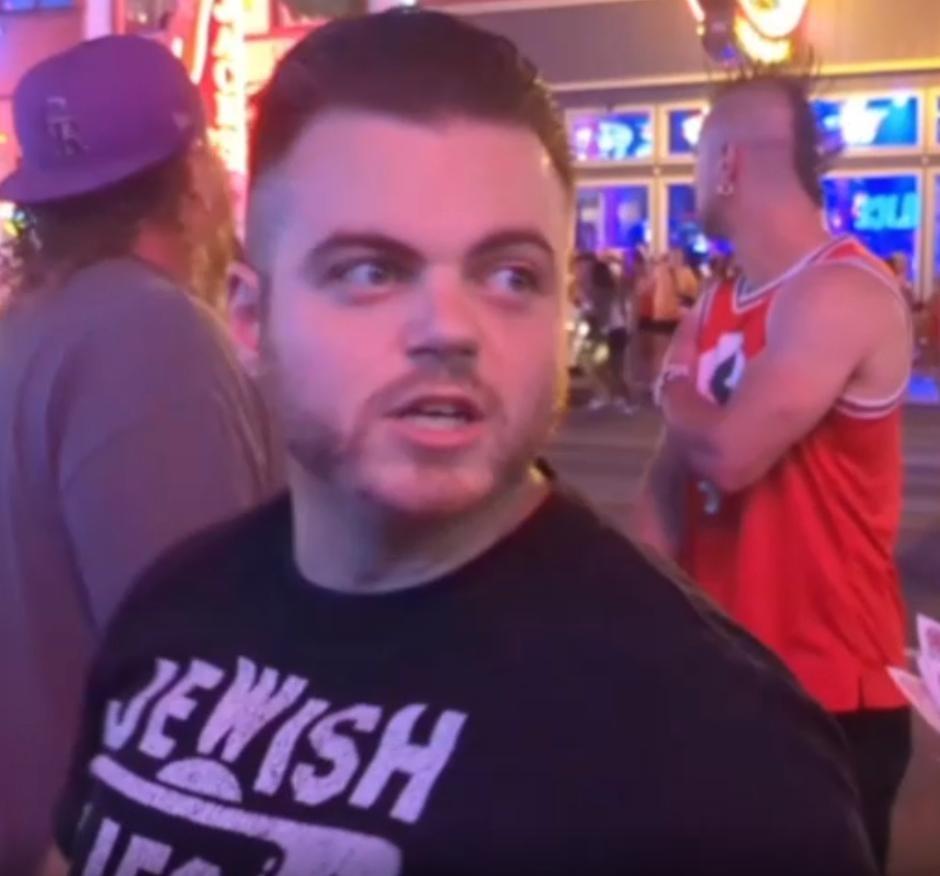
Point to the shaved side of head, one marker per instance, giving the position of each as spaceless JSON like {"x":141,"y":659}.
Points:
{"x":772,"y":114}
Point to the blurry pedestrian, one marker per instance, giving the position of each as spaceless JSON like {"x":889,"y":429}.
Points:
{"x":611,"y":327}
{"x":684,"y":279}
{"x":125,"y":420}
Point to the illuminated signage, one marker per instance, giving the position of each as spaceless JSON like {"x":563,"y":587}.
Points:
{"x":884,"y":210}
{"x":684,"y":129}
{"x":870,"y":122}
{"x":209,"y":37}
{"x":224,"y":87}
{"x":762,"y":30}
{"x":774,"y":19}
{"x":615,"y":136}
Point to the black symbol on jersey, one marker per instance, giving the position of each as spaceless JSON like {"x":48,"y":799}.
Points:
{"x":722,"y":382}
{"x":722,"y":367}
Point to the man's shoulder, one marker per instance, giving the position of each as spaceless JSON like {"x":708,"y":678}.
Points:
{"x":626,"y":587}
{"x":611,"y":560}
{"x":849,"y":289}
{"x":221,"y":564}
{"x":138,"y":345}
{"x":138,"y":300}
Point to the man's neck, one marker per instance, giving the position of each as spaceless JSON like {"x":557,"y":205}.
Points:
{"x":776,"y":240}
{"x":165,"y":252}
{"x":344,"y":543}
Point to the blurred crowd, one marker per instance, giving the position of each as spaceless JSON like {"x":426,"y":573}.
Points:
{"x":628,"y":303}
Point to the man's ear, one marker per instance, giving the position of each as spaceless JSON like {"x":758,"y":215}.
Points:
{"x":245,"y":307}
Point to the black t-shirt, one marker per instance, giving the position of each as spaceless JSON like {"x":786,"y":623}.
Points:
{"x":558,"y":705}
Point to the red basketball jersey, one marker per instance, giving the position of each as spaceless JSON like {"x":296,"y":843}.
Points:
{"x":804,"y":558}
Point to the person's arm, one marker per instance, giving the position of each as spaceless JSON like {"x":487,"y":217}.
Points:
{"x":658,"y":515}
{"x":162,"y":436}
{"x":819,"y":336}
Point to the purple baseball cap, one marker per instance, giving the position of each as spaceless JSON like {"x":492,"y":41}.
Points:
{"x":97,"y":114}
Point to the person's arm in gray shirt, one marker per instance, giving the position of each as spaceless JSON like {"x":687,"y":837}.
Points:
{"x":162,"y":435}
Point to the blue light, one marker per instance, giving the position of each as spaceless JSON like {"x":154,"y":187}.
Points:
{"x":684,"y":128}
{"x":884,"y":211}
{"x":869,"y":122}
{"x":612,"y":216}
{"x":617,"y":136}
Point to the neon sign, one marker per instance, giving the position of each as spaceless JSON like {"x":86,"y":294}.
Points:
{"x":774,"y":19}
{"x":692,"y":128}
{"x":209,"y":37}
{"x":616,"y":136}
{"x":762,"y":30}
{"x":883,"y":210}
{"x":886,"y":212}
{"x":683,"y":130}
{"x":870,"y":122}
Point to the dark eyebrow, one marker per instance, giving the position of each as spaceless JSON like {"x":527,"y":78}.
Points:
{"x":369,"y":240}
{"x":390,"y":246}
{"x":512,"y":237}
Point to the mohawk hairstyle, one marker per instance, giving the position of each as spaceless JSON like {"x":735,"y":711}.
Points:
{"x":813,"y":153}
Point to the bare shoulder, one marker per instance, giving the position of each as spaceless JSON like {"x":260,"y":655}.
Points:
{"x":853,"y":301}
{"x":851,"y":320}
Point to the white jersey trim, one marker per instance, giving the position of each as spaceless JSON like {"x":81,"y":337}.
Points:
{"x":872,"y":409}
{"x":744,"y":299}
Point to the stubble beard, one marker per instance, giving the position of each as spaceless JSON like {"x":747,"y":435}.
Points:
{"x":339,"y":460}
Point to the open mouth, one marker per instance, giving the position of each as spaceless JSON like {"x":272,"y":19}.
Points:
{"x":438,"y":412}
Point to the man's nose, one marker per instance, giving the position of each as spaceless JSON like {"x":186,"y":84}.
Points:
{"x":444,"y":327}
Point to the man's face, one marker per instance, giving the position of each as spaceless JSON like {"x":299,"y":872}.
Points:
{"x":415,"y":325}
{"x":710,"y":171}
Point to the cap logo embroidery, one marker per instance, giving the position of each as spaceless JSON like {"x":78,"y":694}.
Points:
{"x":62,"y":127}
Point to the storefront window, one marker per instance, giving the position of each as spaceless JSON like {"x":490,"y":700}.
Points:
{"x":935,"y":290}
{"x":613,"y":217}
{"x":936,"y":122}
{"x":34,"y":5}
{"x":684,"y":127}
{"x":870,"y":123}
{"x":682,"y":226}
{"x":882,"y":210}
{"x":613,"y":136}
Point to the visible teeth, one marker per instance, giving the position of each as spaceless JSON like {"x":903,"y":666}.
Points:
{"x":437,"y":421}
{"x":444,"y":411}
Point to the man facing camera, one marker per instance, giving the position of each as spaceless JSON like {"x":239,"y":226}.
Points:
{"x":429,"y":659}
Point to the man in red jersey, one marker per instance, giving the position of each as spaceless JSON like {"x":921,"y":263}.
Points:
{"x":778,"y":481}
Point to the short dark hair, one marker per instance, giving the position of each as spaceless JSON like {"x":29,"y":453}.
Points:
{"x":409,"y":63}
{"x":811,"y":159}
{"x":57,"y":238}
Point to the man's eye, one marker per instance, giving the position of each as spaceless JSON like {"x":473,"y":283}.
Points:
{"x":371,"y":274}
{"x":515,"y":280}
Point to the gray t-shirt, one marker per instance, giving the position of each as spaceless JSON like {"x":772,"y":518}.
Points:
{"x":126,"y":424}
